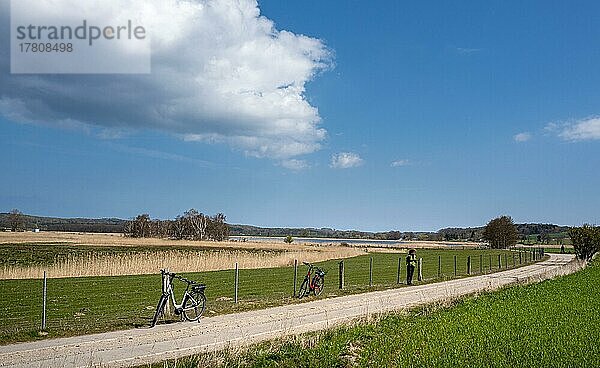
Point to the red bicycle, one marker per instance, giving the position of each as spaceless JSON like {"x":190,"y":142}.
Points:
{"x":315,"y":284}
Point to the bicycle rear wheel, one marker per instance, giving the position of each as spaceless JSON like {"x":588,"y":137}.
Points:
{"x":318,"y":283}
{"x":160,"y":309}
{"x":303,"y":289}
{"x":194,"y":305}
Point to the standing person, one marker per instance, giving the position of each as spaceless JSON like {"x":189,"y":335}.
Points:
{"x":411,"y":264}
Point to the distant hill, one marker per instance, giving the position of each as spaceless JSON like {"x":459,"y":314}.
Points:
{"x":115,"y":225}
{"x":525,"y":230}
{"x":320,"y":233}
{"x":103,"y":225}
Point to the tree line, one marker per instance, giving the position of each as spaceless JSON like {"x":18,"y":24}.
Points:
{"x":192,"y":225}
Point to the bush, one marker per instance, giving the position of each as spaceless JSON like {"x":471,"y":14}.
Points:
{"x":586,"y":241}
{"x":501,"y":232}
{"x":288,"y":239}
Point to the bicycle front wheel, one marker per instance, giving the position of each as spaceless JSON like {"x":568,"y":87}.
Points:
{"x":318,"y":283}
{"x":194,"y":305}
{"x":160,"y":309}
{"x":303,"y":289}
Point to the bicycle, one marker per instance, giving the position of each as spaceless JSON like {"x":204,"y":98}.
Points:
{"x":315,"y":284}
{"x":193,"y":301}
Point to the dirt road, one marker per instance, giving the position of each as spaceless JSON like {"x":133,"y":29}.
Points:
{"x":142,"y":346}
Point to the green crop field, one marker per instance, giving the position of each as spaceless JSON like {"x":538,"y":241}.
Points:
{"x":95,"y":304}
{"x":550,"y":324}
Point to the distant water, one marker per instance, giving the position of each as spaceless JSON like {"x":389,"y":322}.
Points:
{"x":298,"y":240}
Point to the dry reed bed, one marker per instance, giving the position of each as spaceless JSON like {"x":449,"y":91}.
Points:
{"x":107,"y":264}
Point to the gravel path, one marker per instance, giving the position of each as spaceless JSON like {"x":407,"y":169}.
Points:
{"x":143,"y":346}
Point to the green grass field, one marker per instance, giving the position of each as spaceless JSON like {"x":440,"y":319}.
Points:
{"x":95,"y":304}
{"x":550,"y":324}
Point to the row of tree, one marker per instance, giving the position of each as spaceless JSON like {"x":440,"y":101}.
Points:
{"x":192,"y":225}
{"x":501,"y":232}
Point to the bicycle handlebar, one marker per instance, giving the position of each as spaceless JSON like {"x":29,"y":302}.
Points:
{"x":175,"y":276}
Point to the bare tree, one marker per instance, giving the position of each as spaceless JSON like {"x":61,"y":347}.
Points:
{"x":178,"y":228}
{"x":140,"y":227}
{"x":196,"y":223}
{"x":16,"y":220}
{"x":192,"y":225}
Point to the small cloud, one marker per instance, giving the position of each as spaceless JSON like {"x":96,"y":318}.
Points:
{"x":581,"y":130}
{"x":345,"y":160}
{"x":400,"y":163}
{"x":466,"y":50}
{"x":294,"y":164}
{"x":522,"y":137}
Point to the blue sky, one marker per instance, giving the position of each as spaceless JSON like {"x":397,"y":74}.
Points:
{"x":486,"y":108}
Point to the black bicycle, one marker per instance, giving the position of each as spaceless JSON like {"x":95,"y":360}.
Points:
{"x":314,"y":284}
{"x":193,"y":302}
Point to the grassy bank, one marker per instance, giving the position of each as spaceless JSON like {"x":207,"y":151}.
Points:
{"x":95,"y":304}
{"x":550,"y":324}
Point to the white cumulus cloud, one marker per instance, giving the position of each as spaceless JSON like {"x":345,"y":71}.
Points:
{"x":399,"y":163}
{"x":522,"y":137}
{"x":580,"y":130}
{"x":346,"y":160}
{"x":221,"y":73}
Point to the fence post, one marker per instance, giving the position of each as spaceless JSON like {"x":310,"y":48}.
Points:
{"x":514,"y":264}
{"x":399,"y":270}
{"x":505,"y":260}
{"x":499,"y":261}
{"x":481,"y":263}
{"x":236,"y":283}
{"x":44,"y":303}
{"x":420,"y":264}
{"x":490,"y":262}
{"x":454,"y":265}
{"x":520,"y":256}
{"x":295,"y":276}
{"x":370,"y":271}
{"x":439,"y":266}
{"x":341,"y":275}
{"x":468,"y":265}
